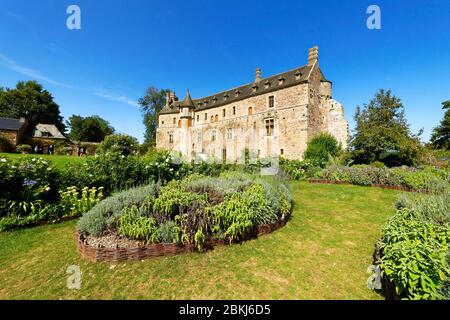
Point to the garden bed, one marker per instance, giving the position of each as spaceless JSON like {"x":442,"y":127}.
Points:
{"x":195,"y":213}
{"x":114,"y":248}
{"x":383,"y":186}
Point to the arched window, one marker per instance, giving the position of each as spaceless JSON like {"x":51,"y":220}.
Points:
{"x":212,"y":119}
{"x":179,"y":123}
{"x":250,"y":111}
{"x":216,"y":118}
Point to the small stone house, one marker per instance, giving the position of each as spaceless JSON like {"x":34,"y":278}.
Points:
{"x":13,"y":130}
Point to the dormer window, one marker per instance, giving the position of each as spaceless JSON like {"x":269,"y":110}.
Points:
{"x":225,"y":96}
{"x":267,"y":84}
{"x":46,"y":134}
{"x":214,"y":100}
{"x":271,"y":101}
{"x":237,"y":93}
{"x":298,"y":74}
{"x":254,"y":88}
{"x":280,"y":81}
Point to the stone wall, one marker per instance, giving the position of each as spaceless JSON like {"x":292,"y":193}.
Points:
{"x":12,"y":136}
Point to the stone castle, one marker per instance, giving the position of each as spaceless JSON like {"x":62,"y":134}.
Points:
{"x":269,"y":117}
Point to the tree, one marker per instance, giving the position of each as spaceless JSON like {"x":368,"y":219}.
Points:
{"x":30,"y":100}
{"x":440,"y":138}
{"x":382,"y":133}
{"x":320,"y":148}
{"x":151,"y":104}
{"x":122,"y":144}
{"x":92,"y":129}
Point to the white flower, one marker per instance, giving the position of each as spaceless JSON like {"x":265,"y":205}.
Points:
{"x":13,"y":167}
{"x":47,"y":189}
{"x":3,"y":160}
{"x":34,"y":159}
{"x":49,"y":169}
{"x":146,"y":167}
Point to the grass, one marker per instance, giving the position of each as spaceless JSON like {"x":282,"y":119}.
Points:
{"x":59,"y":161}
{"x":322,"y":253}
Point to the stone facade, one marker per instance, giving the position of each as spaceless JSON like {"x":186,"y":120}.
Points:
{"x":267,"y":118}
{"x":13,"y":130}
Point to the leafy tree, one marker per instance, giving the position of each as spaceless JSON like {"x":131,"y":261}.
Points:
{"x":382,"y":133}
{"x":92,"y":129}
{"x":320,"y":148}
{"x":151,"y":104}
{"x":119,"y":143}
{"x":30,"y":100}
{"x":440,"y":138}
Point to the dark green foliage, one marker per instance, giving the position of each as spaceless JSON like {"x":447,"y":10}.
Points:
{"x":5,"y":144}
{"x":426,"y":179}
{"x":91,"y":129}
{"x":415,"y":246}
{"x":382,"y":133}
{"x":121,"y":144}
{"x":30,"y":100}
{"x":440,"y":138}
{"x":321,"y":148}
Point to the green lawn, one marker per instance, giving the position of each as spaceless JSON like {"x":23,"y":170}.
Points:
{"x":322,"y":253}
{"x":59,"y":161}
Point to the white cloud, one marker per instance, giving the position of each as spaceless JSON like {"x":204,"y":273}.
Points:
{"x":118,"y":98}
{"x":12,"y":65}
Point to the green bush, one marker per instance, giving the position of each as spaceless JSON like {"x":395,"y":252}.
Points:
{"x":24,"y":149}
{"x":415,"y":247}
{"x":122,"y":144}
{"x":5,"y":144}
{"x":425,"y":179}
{"x":104,"y":215}
{"x":321,"y":148}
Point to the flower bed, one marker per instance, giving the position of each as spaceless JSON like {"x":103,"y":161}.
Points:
{"x":383,"y":186}
{"x":196,"y":212}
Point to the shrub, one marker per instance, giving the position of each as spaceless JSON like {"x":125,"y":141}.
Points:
{"x":320,"y":148}
{"x":415,"y":247}
{"x":5,"y":144}
{"x":427,"y":179}
{"x":134,"y":225}
{"x":27,"y":180}
{"x":24,"y":149}
{"x":105,"y":214}
{"x":122,"y":144}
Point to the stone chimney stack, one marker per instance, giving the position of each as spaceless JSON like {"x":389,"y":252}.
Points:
{"x":258,"y":75}
{"x":313,"y":55}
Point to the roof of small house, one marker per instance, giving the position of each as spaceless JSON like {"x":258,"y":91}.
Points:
{"x":265,"y":85}
{"x":11,"y":124}
{"x":52,"y":130}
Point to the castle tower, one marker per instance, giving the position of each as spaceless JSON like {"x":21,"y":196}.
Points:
{"x":186,"y":112}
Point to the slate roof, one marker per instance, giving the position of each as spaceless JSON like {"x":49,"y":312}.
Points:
{"x":266,"y":85}
{"x":10,"y":124}
{"x":50,"y":128}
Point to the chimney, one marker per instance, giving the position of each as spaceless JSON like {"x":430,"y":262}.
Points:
{"x":258,"y":75}
{"x":313,"y":55}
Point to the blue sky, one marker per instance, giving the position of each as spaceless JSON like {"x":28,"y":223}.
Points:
{"x":208,"y":46}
